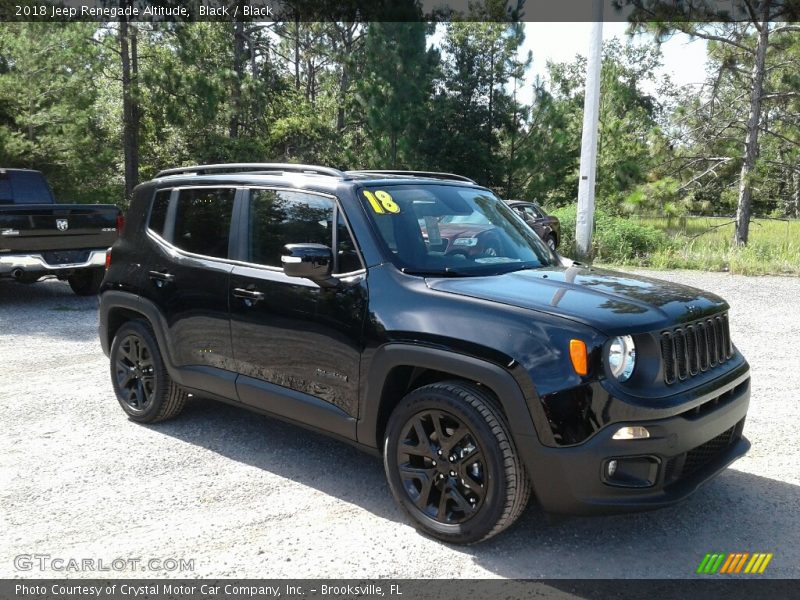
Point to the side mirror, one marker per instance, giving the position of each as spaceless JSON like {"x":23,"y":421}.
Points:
{"x":310,"y":261}
{"x":567,"y":262}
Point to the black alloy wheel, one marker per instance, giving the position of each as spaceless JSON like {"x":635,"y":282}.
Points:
{"x":134,"y":373}
{"x":442,"y":467}
{"x":451,"y":462}
{"x":143,"y":387}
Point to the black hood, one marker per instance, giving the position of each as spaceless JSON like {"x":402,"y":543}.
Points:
{"x":611,"y":302}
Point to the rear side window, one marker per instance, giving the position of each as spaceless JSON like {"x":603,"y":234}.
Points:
{"x":158,"y":214}
{"x":282,"y":217}
{"x":203,"y":221}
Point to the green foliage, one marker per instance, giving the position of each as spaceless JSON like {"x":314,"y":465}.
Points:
{"x":616,"y":239}
{"x":688,"y":243}
{"x":660,"y":196}
{"x":471,"y":108}
{"x":631,"y":143}
{"x":379,"y":95}
{"x":394,"y":90}
{"x":49,"y":117}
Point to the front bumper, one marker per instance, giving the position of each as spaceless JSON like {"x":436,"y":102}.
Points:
{"x":37,"y":264}
{"x":685,"y":451}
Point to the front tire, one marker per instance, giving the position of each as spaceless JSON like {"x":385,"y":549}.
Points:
{"x":86,"y":282}
{"x":451,"y":463}
{"x":144,"y":389}
{"x":551,"y":242}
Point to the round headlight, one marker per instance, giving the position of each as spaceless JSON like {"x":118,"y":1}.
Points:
{"x":622,"y":357}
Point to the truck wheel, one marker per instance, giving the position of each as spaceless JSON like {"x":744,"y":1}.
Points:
{"x":143,"y":387}
{"x":452,"y":465}
{"x":551,"y":242}
{"x":86,"y":282}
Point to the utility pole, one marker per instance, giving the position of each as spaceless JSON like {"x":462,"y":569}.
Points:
{"x":591,"y":113}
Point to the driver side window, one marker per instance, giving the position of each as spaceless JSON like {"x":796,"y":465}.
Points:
{"x":279,"y":217}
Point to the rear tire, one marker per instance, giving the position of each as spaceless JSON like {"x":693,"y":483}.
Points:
{"x":86,"y":282}
{"x":451,"y":463}
{"x":144,"y":389}
{"x":551,"y":242}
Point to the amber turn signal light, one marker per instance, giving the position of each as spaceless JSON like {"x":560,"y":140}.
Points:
{"x":577,"y":354}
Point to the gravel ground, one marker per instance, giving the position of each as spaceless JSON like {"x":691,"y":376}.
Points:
{"x":246,"y":496}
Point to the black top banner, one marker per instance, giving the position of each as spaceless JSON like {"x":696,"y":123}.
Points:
{"x":154,"y":11}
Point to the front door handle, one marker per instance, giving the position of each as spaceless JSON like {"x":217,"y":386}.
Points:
{"x":250,"y":297}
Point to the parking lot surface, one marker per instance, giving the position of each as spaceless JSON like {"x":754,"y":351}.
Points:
{"x":241,"y":495}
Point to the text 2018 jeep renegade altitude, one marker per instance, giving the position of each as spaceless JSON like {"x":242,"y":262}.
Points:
{"x":330,"y":299}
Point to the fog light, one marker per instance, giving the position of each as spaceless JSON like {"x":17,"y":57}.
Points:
{"x":631,"y":471}
{"x":631,"y":433}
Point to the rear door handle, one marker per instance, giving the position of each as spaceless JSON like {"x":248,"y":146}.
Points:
{"x":161,"y":279}
{"x":250,"y":297}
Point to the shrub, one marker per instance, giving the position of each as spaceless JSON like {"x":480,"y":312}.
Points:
{"x":615,"y":240}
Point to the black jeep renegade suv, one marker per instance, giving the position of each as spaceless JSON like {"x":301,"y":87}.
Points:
{"x":330,"y":299}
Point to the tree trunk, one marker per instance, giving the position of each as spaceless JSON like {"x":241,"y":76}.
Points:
{"x":490,"y":128}
{"x":130,"y":109}
{"x":796,"y":195}
{"x":297,"y":51}
{"x":311,"y":81}
{"x":344,"y":82}
{"x":343,"y":87}
{"x":136,"y":108}
{"x":751,"y":141}
{"x":512,"y":149}
{"x":393,"y":149}
{"x":236,"y":84}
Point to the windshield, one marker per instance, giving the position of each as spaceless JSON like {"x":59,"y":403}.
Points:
{"x":430,"y":229}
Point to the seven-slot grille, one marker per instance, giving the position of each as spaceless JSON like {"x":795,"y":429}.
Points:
{"x":695,"y":348}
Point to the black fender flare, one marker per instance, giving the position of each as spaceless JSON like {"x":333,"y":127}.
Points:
{"x":111,"y":300}
{"x":464,"y":366}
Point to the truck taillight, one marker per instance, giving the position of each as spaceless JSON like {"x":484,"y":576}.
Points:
{"x":108,"y":258}
{"x":120,"y":224}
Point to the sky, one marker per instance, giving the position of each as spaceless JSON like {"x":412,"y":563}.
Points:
{"x":684,"y":59}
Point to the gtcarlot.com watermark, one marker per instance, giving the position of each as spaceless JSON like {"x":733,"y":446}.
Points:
{"x":71,"y":564}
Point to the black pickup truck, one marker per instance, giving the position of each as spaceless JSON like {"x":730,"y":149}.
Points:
{"x":40,"y":237}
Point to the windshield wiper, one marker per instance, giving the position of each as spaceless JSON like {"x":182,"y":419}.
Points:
{"x":446,"y":272}
{"x":524,"y":268}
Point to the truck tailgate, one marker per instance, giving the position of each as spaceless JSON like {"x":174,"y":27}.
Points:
{"x":43,"y":227}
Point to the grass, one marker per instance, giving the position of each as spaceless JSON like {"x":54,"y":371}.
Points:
{"x":702,"y":243}
{"x":705,"y":243}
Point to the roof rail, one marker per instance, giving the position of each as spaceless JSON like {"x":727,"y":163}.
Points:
{"x":431,"y":174}
{"x":253,"y":167}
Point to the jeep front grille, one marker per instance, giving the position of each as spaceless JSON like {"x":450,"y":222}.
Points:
{"x":695,"y":348}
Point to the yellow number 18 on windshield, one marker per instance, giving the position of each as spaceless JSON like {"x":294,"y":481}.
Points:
{"x":382,"y":202}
